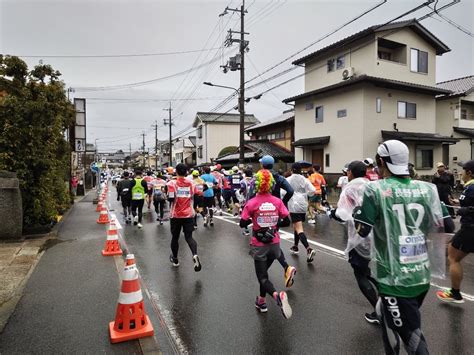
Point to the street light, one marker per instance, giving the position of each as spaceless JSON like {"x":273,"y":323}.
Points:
{"x":242,"y":116}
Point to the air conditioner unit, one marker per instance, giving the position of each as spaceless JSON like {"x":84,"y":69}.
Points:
{"x":347,"y":73}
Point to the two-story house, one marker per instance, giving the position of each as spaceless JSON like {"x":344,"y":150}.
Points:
{"x":279,"y":130}
{"x":374,"y":85}
{"x":455,"y":117}
{"x":184,"y":150}
{"x":215,"y":131}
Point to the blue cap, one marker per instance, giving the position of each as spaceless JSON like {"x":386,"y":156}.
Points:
{"x":267,"y":160}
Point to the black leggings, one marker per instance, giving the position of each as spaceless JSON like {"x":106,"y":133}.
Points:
{"x":217,"y":195}
{"x":401,"y":319}
{"x":138,"y":204}
{"x":261,"y":269}
{"x":362,"y":273}
{"x":127,"y":209}
{"x":301,"y":236}
{"x":159,"y":207}
{"x":188,"y":226}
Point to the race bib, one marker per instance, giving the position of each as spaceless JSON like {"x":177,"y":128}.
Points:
{"x":209,"y":184}
{"x":413,"y":249}
{"x":235,"y":181}
{"x":183,"y":192}
{"x":199,"y":187}
{"x":137,"y":195}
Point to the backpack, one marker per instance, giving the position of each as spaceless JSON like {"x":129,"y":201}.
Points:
{"x":158,"y":195}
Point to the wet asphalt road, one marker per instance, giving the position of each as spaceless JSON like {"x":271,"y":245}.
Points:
{"x":212,"y":312}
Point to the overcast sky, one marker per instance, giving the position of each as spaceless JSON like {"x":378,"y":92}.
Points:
{"x":277,"y":29}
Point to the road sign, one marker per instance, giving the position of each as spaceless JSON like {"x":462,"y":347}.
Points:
{"x":95,"y":168}
{"x":80,"y":145}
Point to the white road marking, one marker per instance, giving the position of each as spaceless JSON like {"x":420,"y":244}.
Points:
{"x":333,"y":251}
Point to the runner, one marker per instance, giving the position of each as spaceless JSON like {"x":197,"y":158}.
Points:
{"x":226,"y":190}
{"x":149,"y":194}
{"x":298,"y":205}
{"x":244,"y":192}
{"x":198,"y":204}
{"x":159,"y":196}
{"x":234,"y":182}
{"x":319,"y":183}
{"x":266,"y":213}
{"x":180,"y":195}
{"x":343,"y":180}
{"x":218,"y":188}
{"x":209,"y":202}
{"x":139,"y":189}
{"x":358,"y":249}
{"x":401,"y":213}
{"x":371,"y":174}
{"x":124,"y":192}
{"x":463,"y":241}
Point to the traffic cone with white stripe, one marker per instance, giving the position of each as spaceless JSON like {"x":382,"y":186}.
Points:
{"x":129,"y":260}
{"x":99,"y":205}
{"x":131,"y":321}
{"x":112,"y":245}
{"x":104,"y":216}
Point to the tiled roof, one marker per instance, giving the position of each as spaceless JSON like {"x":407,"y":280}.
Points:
{"x":460,"y":86}
{"x":382,"y":82}
{"x":286,"y":116}
{"x":415,"y":25}
{"x":312,"y":141}
{"x":418,"y":137}
{"x":222,"y":118}
{"x":259,"y":148}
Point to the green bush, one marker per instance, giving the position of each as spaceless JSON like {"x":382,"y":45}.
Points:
{"x":227,"y":150}
{"x":34,"y":115}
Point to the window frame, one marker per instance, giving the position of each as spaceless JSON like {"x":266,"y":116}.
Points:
{"x":341,"y":113}
{"x":327,"y":160}
{"x":316,"y":118}
{"x":199,"y":132}
{"x":415,"y":64}
{"x":338,"y":61}
{"x":331,"y":65}
{"x":200,"y":151}
{"x":406,"y":110}
{"x":419,"y":164}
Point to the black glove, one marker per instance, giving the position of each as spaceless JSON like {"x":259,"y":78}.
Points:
{"x":332,"y":214}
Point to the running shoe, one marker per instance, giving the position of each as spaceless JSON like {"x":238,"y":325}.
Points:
{"x":158,"y":219}
{"x":161,"y":222}
{"x":311,"y":221}
{"x":262,"y":307}
{"x":135,"y":220}
{"x":372,"y":318}
{"x":197,"y":263}
{"x":245,"y":231}
{"x":289,"y":274}
{"x":294,"y":250}
{"x":211,"y":222}
{"x":139,"y":225}
{"x":449,"y":296}
{"x":174,"y":261}
{"x":310,"y":255}
{"x":282,"y":302}
{"x":220,"y":213}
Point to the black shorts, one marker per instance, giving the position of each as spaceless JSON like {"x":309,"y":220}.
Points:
{"x":198,"y":201}
{"x":297,"y":217}
{"x":209,"y":202}
{"x":186,"y":224}
{"x":463,"y":240}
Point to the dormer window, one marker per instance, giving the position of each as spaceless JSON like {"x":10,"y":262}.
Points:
{"x":391,"y":51}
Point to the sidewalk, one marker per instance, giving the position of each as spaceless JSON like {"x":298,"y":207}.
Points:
{"x":71,"y":295}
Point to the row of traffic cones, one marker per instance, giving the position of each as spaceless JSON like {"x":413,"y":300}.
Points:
{"x":131,"y":321}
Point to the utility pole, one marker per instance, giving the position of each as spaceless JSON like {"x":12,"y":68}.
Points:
{"x":130,"y":149}
{"x":170,"y":123}
{"x":143,"y":147}
{"x":237,"y":63}
{"x":155,"y":126}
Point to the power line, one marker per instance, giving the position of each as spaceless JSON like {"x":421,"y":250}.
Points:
{"x":451,"y":22}
{"x":114,"y":55}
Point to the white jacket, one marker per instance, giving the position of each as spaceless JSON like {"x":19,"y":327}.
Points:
{"x":303,"y":188}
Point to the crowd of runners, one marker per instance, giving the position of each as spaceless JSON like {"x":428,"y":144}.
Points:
{"x":389,"y":218}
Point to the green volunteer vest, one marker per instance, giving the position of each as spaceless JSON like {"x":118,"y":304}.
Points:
{"x":138,"y":191}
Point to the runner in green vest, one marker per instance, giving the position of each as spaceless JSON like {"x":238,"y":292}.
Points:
{"x":402,"y":213}
{"x":139,"y":189}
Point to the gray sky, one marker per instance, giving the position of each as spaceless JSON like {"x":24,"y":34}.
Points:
{"x":277,"y":30}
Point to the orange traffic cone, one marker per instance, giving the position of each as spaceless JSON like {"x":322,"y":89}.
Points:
{"x":131,"y":321}
{"x":104,"y":216}
{"x":129,"y":260}
{"x":99,"y":206}
{"x":112,"y":245}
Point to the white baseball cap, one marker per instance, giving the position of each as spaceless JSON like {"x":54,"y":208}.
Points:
{"x":395,"y":155}
{"x":368,"y":161}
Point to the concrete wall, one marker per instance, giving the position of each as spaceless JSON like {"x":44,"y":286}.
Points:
{"x":362,"y":56}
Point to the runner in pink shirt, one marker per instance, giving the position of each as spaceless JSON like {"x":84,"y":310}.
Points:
{"x":266,"y":213}
{"x":180,"y":194}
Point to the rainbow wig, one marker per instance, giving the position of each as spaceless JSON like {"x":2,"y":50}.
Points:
{"x":264,"y":181}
